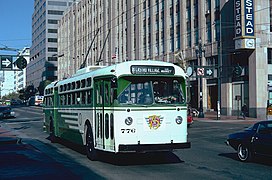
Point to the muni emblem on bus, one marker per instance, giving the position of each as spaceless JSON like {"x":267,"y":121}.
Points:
{"x":154,"y":122}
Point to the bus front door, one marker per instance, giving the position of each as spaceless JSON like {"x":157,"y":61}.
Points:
{"x":99,"y":113}
{"x":103,"y":115}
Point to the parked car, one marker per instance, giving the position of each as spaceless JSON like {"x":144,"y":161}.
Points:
{"x":255,"y":140}
{"x":6,"y":112}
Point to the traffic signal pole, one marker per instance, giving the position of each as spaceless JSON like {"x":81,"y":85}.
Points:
{"x":219,"y":47}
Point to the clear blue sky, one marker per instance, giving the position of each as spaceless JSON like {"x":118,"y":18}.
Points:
{"x":15,"y":23}
{"x":15,"y":31}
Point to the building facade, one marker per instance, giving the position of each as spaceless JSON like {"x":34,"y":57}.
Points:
{"x":43,"y":60}
{"x":212,"y":37}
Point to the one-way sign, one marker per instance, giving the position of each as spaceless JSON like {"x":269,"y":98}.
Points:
{"x":209,"y":72}
{"x":6,"y":62}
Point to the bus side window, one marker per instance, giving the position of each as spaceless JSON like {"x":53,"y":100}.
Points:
{"x":97,"y":96}
{"x":101,"y":93}
{"x":113,"y":95}
{"x":78,"y":100}
{"x":64,"y":99}
{"x":89,"y":97}
{"x":73,"y":98}
{"x":61,"y":99}
{"x":69,"y":99}
{"x":83,"y":97}
{"x":107,"y":94}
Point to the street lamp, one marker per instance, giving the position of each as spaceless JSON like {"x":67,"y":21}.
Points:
{"x":199,"y":49}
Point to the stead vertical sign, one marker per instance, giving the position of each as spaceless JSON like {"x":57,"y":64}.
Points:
{"x":238,"y":18}
{"x":244,"y":18}
{"x":249,"y":18}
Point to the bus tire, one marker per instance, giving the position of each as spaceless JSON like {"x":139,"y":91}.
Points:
{"x":52,"y":135}
{"x":90,"y":150}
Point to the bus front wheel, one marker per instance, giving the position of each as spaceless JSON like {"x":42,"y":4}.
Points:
{"x":90,"y":150}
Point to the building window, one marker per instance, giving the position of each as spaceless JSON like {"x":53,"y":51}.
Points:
{"x":57,"y":3}
{"x":52,"y":31}
{"x":54,"y":40}
{"x":270,"y":10}
{"x":209,"y":32}
{"x":269,"y":54}
{"x":217,"y":3}
{"x":50,"y":49}
{"x":178,"y":36}
{"x":217,"y":30}
{"x":52,"y":21}
{"x":54,"y":12}
{"x":196,"y":37}
{"x":52,"y":58}
{"x":189,"y":39}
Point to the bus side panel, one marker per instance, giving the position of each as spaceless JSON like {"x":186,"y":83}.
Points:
{"x":71,"y":125}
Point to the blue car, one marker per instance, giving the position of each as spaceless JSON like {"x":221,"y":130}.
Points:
{"x":255,"y":140}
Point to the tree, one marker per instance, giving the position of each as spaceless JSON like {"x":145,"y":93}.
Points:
{"x":12,"y":95}
{"x":30,"y":91}
{"x":22,"y":94}
{"x":42,"y":86}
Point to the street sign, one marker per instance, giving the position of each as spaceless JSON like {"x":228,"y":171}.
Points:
{"x":200,"y":71}
{"x":6,"y":62}
{"x":208,"y":71}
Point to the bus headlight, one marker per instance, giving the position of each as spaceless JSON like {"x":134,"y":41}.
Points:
{"x":128,"y":121}
{"x":179,"y":120}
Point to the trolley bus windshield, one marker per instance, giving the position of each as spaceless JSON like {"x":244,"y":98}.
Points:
{"x":147,"y":91}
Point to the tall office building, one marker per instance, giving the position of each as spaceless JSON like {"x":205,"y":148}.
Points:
{"x":43,"y":52}
{"x":226,"y":43}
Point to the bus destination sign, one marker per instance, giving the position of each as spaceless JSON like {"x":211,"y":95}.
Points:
{"x":156,"y":70}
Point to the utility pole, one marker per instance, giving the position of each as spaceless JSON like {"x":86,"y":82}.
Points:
{"x":219,"y":47}
{"x":199,"y":49}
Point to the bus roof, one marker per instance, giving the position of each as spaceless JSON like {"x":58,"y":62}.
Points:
{"x":125,"y":68}
{"x":118,"y":70}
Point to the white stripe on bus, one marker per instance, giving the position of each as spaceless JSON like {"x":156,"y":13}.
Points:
{"x":69,"y":116}
{"x":73,"y":127}
{"x":70,"y":122}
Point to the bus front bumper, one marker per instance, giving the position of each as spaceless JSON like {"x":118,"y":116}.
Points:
{"x":152,"y":147}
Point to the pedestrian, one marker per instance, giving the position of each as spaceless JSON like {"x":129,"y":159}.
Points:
{"x":244,"y":111}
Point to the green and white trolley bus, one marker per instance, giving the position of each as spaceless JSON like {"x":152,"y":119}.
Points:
{"x":134,"y":106}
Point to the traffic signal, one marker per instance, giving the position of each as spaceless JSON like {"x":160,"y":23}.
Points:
{"x":237,"y":71}
{"x":21,"y":62}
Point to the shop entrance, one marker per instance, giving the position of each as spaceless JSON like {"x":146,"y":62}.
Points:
{"x":212,"y":97}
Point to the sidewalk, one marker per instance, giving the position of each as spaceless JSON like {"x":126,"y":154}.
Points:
{"x":21,"y":160}
{"x":7,"y":137}
{"x":212,"y":117}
